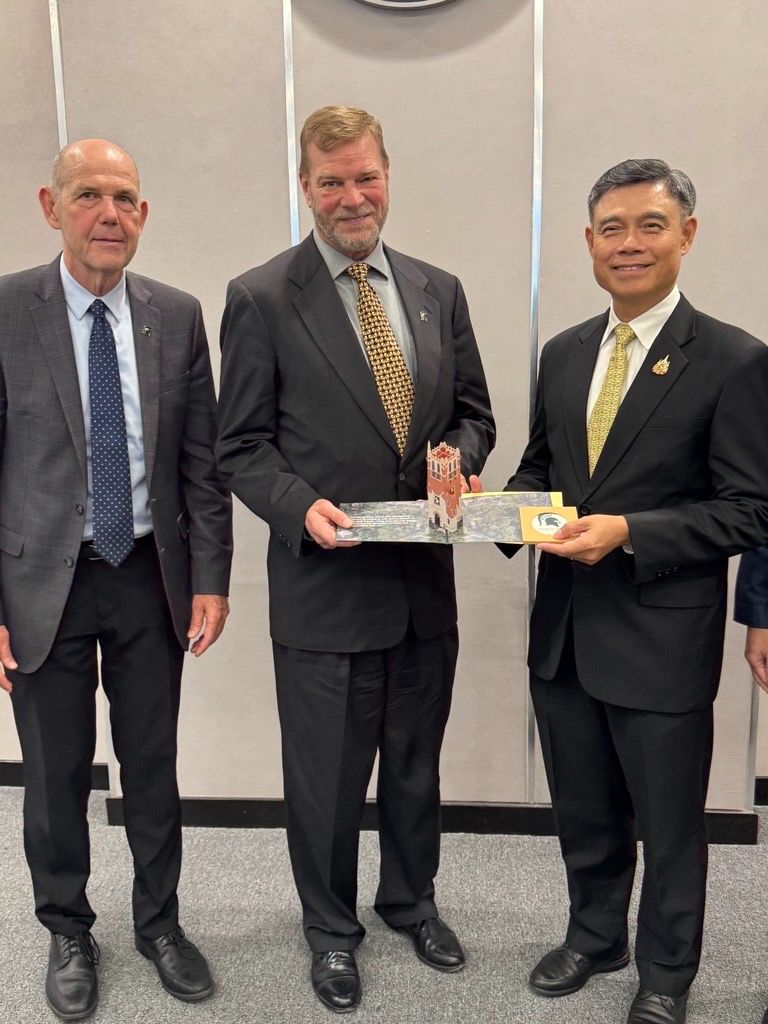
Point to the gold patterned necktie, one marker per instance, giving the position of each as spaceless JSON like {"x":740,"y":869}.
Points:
{"x":389,"y":370}
{"x":607,"y":405}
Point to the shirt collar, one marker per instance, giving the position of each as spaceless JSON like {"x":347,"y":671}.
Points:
{"x":79,"y":299}
{"x":648,"y":325}
{"x":337,"y":262}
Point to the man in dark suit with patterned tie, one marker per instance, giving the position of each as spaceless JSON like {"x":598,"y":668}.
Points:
{"x":114,"y":534}
{"x":648,"y":419}
{"x":342,"y":359}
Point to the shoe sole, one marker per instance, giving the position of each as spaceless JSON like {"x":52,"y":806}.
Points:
{"x":614,"y":965}
{"x":71,"y":1016}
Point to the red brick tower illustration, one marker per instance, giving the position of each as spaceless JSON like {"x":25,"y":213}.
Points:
{"x":444,"y":487}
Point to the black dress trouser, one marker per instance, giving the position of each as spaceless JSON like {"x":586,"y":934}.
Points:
{"x":616,"y":774}
{"x":124,"y":611}
{"x":336,"y":712}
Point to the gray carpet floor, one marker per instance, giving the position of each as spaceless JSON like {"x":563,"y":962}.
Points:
{"x":504,"y":896}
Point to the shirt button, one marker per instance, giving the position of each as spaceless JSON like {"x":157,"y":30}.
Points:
{"x":79,"y":509}
{"x":402,"y":476}
{"x":69,"y":562}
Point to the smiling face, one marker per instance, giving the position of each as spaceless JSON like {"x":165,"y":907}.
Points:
{"x":637,"y":238}
{"x":95,"y":204}
{"x":347,"y":189}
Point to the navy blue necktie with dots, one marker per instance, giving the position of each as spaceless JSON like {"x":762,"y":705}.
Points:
{"x":110,"y":468}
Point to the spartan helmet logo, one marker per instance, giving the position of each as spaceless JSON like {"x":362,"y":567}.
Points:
{"x":548,"y":522}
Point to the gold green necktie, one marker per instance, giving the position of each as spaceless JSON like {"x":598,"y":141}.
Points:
{"x":389,"y":370}
{"x":607,"y":405}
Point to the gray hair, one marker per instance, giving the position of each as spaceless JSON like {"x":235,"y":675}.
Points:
{"x":630,"y":172}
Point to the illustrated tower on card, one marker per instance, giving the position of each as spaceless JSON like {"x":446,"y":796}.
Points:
{"x":444,"y":487}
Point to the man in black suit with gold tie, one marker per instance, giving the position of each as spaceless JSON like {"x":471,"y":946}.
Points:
{"x":646,"y":419}
{"x":342,"y":359}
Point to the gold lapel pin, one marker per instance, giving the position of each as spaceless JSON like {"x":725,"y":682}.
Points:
{"x":661,"y":367}
{"x":423,"y":315}
{"x":146,"y":331}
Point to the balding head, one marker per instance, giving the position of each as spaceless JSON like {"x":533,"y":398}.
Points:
{"x":83,"y":150}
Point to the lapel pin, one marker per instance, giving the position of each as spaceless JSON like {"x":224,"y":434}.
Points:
{"x":423,"y":315}
{"x":147,"y":332}
{"x":661,"y":367}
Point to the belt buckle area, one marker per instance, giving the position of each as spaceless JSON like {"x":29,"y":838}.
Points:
{"x":89,"y":552}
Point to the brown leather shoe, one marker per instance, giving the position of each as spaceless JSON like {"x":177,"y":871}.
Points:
{"x":71,"y":985}
{"x":563,"y":971}
{"x":335,"y":980}
{"x":436,"y":944}
{"x":651,"y":1008}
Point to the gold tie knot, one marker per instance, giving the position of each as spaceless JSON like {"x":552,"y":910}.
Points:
{"x":360,"y":272}
{"x":623,"y":334}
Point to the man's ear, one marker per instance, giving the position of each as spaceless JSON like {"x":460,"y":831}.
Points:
{"x":48,"y":203}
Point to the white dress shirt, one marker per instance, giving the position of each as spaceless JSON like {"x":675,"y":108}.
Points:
{"x":646,"y":327}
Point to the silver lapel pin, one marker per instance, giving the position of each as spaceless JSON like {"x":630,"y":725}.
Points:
{"x":146,"y":331}
{"x":423,"y":315}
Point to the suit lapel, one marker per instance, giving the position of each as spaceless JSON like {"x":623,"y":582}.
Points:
{"x":576,"y":384}
{"x":423,"y":312}
{"x":52,"y":325}
{"x":147,"y":325}
{"x":322,"y":311}
{"x":647,"y":389}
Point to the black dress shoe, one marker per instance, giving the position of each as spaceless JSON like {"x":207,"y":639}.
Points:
{"x":562,"y":971}
{"x":650,"y":1008}
{"x":71,"y":986}
{"x":335,"y":980}
{"x":436,"y":944}
{"x":182,"y":967}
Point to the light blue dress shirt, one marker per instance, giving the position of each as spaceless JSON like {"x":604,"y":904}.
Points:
{"x":383,"y":283}
{"x":119,"y":316}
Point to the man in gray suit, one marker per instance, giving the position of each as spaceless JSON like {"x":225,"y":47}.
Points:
{"x":115,"y":533}
{"x":320,"y":345}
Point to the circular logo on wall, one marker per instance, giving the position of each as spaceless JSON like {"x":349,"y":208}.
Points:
{"x":404,"y":5}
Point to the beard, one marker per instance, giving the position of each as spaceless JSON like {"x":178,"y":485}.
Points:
{"x":352,"y":243}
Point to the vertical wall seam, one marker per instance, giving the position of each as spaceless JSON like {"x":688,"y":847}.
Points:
{"x":58,"y":72}
{"x":290,"y":121}
{"x":536,"y":209}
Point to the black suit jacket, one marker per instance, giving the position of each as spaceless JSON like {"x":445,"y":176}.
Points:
{"x":685,"y":462}
{"x":301,"y":419}
{"x":43,"y":482}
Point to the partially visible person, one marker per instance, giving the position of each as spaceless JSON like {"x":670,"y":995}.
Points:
{"x":751,"y":609}
{"x":115,"y":538}
{"x":342,"y":359}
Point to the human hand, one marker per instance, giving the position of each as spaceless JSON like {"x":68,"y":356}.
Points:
{"x":589,"y":539}
{"x":7,"y":660}
{"x":209,"y":613}
{"x":321,"y":521}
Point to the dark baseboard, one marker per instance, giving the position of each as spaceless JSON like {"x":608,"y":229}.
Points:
{"x":730,"y":827}
{"x":12,"y":774}
{"x":761,"y":791}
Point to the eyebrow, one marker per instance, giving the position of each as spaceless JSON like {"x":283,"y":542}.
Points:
{"x":646,"y":215}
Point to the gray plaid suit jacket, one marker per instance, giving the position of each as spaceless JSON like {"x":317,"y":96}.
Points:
{"x":43,"y":483}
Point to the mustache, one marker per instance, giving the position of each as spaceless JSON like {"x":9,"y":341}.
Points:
{"x":362,"y":212}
